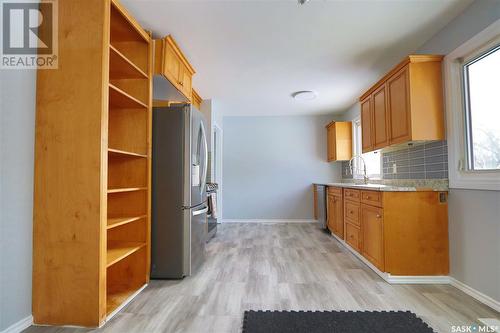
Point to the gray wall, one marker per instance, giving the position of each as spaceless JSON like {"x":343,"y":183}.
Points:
{"x":479,"y":15}
{"x":474,"y":223}
{"x":270,"y":164}
{"x":474,"y":228}
{"x":17,"y":106}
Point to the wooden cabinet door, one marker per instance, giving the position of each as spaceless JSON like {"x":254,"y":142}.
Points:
{"x":330,"y":221}
{"x":366,"y":125}
{"x":172,"y":65}
{"x":372,"y":229}
{"x":338,"y":217}
{"x":185,"y":82}
{"x":380,"y":137}
{"x":331,"y":143}
{"x":399,"y":107}
{"x":335,"y":215}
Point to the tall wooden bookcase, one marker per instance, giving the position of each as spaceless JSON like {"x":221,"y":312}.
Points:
{"x":91,"y":232}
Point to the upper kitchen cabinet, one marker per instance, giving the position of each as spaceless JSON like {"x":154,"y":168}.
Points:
{"x":171,"y":63}
{"x":339,"y":141}
{"x":406,"y":105}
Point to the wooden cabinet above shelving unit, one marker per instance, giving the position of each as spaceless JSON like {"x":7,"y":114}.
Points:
{"x":171,"y":63}
{"x":405,"y":105}
{"x":196,"y":100}
{"x":91,"y":237}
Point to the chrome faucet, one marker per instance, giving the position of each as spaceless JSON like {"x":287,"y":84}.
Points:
{"x":365,"y":178}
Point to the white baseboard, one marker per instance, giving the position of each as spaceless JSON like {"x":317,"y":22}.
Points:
{"x":20,"y":326}
{"x":427,"y":279}
{"x":268,"y":221}
{"x":479,"y":296}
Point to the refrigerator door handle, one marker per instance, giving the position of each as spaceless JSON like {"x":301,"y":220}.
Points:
{"x":200,"y":211}
{"x":205,"y":163}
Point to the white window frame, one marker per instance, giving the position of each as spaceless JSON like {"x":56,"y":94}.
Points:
{"x":460,"y":176}
{"x":357,"y":149}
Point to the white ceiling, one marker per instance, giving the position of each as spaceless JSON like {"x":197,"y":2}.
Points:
{"x":251,"y":55}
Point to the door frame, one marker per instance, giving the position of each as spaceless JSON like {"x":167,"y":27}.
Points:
{"x":218,"y":170}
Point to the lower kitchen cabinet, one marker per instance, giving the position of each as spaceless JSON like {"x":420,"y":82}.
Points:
{"x":401,"y":233}
{"x":372,"y":221}
{"x":335,"y":212}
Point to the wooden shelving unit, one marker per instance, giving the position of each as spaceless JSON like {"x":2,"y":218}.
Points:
{"x":92,"y":206}
{"x":130,"y":71}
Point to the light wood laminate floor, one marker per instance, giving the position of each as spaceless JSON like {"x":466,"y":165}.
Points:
{"x":279,"y":267}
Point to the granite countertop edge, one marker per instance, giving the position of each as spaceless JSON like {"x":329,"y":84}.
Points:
{"x":386,"y":188}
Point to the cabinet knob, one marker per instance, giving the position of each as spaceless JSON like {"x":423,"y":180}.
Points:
{"x":351,"y":212}
{"x":368,"y":197}
{"x":379,"y":216}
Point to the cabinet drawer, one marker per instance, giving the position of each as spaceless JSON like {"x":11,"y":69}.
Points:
{"x":337,"y":191}
{"x":373,"y":198}
{"x":351,"y":194}
{"x":353,"y":236}
{"x":351,"y":212}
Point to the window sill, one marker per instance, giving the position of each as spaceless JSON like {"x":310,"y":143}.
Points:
{"x":475,"y":181}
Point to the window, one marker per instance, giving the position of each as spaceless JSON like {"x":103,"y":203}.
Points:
{"x":481,"y":78}
{"x":472,"y":81}
{"x":372,"y":159}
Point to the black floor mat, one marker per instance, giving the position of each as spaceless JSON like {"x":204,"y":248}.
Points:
{"x":333,"y":322}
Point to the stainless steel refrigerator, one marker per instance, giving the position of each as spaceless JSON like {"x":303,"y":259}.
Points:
{"x":179,"y":202}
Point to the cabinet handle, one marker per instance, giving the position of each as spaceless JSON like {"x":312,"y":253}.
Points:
{"x":379,"y":216}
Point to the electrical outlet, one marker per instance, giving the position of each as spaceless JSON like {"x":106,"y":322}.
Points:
{"x":394,"y":168}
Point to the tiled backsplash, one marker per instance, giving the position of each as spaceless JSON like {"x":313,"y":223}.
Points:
{"x":422,"y":161}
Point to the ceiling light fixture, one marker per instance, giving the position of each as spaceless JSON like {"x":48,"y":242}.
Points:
{"x":305,"y":95}
{"x":302,"y":2}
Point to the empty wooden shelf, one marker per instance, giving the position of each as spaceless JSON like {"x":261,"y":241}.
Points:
{"x":119,"y":99}
{"x":119,"y":250}
{"x":114,"y":222}
{"x":122,"y":153}
{"x":122,"y":68}
{"x":126,"y":189}
{"x":91,"y":230}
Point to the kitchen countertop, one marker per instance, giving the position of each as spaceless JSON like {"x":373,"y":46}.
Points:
{"x":388,"y":188}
